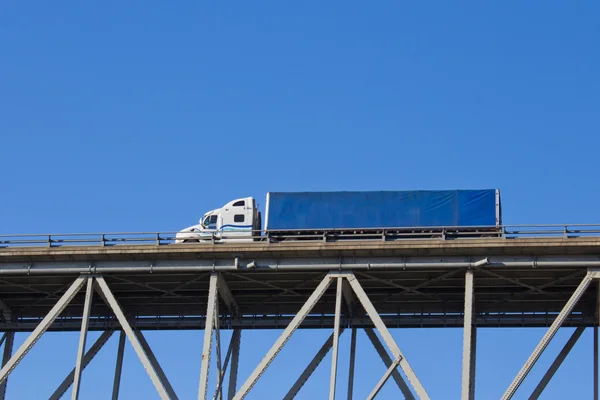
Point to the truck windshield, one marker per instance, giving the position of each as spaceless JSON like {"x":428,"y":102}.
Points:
{"x":210,"y":222}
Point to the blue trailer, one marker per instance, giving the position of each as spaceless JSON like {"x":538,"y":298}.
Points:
{"x":297,"y":215}
{"x":382,"y":209}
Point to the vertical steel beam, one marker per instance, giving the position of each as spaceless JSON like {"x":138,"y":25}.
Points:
{"x":387,"y":337}
{"x":336,"y":335}
{"x":41,"y":328}
{"x":285,"y":336}
{"x":596,"y":371}
{"x":556,"y":364}
{"x":468,"y":359}
{"x":234,"y":346}
{"x":311,"y":367}
{"x":208,"y":333}
{"x":5,"y":311}
{"x":351,"y":307}
{"x":87,"y":358}
{"x":596,"y":392}
{"x":87,"y":307}
{"x":473,"y":358}
{"x":116,"y":308}
{"x":226,"y":363}
{"x":235,"y":360}
{"x":119,"y":366}
{"x":352,"y":363}
{"x":537,"y":352}
{"x":385,"y":357}
{"x":8,"y":348}
{"x":219,"y":361}
{"x":9,"y":337}
{"x":384,"y":379}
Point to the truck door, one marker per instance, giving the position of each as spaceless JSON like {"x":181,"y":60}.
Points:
{"x":240,"y":218}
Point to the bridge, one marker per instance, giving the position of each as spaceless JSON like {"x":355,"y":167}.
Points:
{"x":540,"y":276}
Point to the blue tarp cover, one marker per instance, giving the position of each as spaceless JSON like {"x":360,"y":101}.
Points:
{"x":381,"y":209}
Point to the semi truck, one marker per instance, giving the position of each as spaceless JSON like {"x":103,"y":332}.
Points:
{"x":351,"y":215}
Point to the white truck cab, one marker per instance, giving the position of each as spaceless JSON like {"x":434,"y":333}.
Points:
{"x":237,"y":221}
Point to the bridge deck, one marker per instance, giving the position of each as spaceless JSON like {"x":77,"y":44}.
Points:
{"x":535,"y":246}
{"x":527,"y":293}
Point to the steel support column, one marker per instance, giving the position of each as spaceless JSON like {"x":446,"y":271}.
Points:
{"x":208,"y":333}
{"x":597,"y":322}
{"x":473,"y":359}
{"x":556,"y":364}
{"x":336,"y":335}
{"x":235,"y":361}
{"x":537,"y":352}
{"x":83,"y":338}
{"x":218,"y":286}
{"x":9,"y":338}
{"x":352,"y":363}
{"x":119,"y":366}
{"x":220,"y":369}
{"x":469,"y":342}
{"x":234,"y":346}
{"x":596,"y":362}
{"x":232,"y":343}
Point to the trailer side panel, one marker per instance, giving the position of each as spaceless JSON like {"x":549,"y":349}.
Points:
{"x":382,"y":209}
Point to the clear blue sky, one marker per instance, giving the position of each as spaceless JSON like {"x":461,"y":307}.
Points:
{"x":131,"y":116}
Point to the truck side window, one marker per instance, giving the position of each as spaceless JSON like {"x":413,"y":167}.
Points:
{"x":238,"y":218}
{"x":240,"y":203}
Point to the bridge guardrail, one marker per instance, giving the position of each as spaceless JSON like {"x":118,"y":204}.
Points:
{"x":329,"y":235}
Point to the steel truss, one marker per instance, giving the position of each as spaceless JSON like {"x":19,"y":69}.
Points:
{"x":355,"y":290}
{"x":94,"y":282}
{"x":592,"y":275}
{"x":351,"y":304}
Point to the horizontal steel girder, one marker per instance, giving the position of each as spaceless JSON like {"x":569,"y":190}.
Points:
{"x":311,"y":322}
{"x":315,"y":263}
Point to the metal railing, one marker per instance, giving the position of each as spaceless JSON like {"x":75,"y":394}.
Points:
{"x":323,"y":235}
